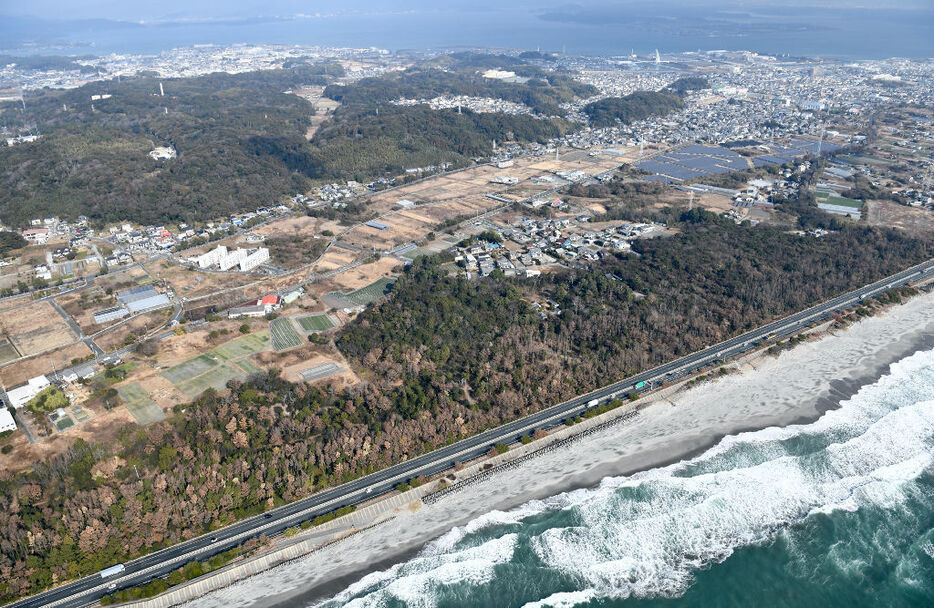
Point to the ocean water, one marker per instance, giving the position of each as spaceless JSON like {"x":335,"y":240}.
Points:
{"x":613,"y":29}
{"x":839,"y":512}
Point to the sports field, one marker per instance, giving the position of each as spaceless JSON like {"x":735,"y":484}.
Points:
{"x":320,"y":322}
{"x":370,"y":293}
{"x":283,"y":334}
{"x":215,"y":378}
{"x":141,"y":407}
{"x":247,"y":366}
{"x":242,"y":347}
{"x":189,"y":369}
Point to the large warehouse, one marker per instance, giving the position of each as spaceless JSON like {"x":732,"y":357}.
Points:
{"x":142,"y":298}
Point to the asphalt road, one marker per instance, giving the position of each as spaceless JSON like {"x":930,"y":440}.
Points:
{"x":89,"y":589}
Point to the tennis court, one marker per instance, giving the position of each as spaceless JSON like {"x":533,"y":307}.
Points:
{"x":243,"y":347}
{"x":132,"y":392}
{"x":189,"y":369}
{"x":247,"y":366}
{"x":141,"y":407}
{"x":215,"y":378}
{"x":320,"y":322}
{"x":283,"y":334}
{"x":145,"y":412}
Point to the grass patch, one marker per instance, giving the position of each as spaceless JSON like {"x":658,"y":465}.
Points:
{"x":840,"y":201}
{"x":243,"y":347}
{"x":248,"y":367}
{"x":215,"y":378}
{"x":145,"y":412}
{"x":320,"y":322}
{"x":189,"y":369}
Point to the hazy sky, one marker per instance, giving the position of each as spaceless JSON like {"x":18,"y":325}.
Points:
{"x":200,"y":9}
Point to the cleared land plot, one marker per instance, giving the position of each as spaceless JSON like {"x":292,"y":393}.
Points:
{"x":319,"y":371}
{"x":243,"y":347}
{"x":283,"y":334}
{"x":36,"y":328}
{"x":189,"y":369}
{"x":321,"y":322}
{"x":215,"y":378}
{"x":370,"y":293}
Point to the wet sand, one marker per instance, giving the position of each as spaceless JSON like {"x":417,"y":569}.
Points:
{"x":796,"y":387}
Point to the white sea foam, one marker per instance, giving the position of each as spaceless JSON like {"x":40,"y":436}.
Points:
{"x":563,"y":600}
{"x":415,"y":582}
{"x":645,"y":535}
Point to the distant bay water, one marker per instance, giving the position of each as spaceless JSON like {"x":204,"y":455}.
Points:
{"x":841,"y":33}
{"x":836,"y":513}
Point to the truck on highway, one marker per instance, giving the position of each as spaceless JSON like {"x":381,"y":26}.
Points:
{"x":112,"y":571}
{"x":593,"y":402}
{"x":640,"y":384}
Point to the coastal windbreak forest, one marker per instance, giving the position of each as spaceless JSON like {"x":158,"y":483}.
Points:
{"x":442,"y":358}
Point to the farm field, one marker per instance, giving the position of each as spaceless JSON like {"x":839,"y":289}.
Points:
{"x":35,"y":327}
{"x":7,"y":352}
{"x":823,"y":197}
{"x":283,"y":334}
{"x":370,"y":293}
{"x":318,"y":322}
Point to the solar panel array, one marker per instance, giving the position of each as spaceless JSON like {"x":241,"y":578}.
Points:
{"x":696,"y":160}
{"x":691,"y":162}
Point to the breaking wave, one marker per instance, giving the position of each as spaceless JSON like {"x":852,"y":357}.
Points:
{"x":650,"y":536}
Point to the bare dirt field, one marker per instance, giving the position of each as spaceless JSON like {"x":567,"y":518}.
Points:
{"x":295,"y":361}
{"x":193,"y":283}
{"x":102,"y":427}
{"x":363,"y":275}
{"x":35,"y":328}
{"x":21,"y":371}
{"x":913,"y":220}
{"x":337,"y":257}
{"x":138,"y":326}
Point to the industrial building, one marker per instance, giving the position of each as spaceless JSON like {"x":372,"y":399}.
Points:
{"x":142,"y":298}
{"x":6,"y":421}
{"x":21,"y":395}
{"x":110,"y":314}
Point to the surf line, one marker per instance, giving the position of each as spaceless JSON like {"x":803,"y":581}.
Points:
{"x":512,"y":464}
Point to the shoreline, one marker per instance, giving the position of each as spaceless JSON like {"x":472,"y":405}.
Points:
{"x":795,"y":387}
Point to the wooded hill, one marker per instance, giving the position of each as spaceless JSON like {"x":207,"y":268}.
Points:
{"x":240,"y":138}
{"x":92,"y":156}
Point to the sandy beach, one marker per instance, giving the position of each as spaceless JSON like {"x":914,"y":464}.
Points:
{"x":795,"y":387}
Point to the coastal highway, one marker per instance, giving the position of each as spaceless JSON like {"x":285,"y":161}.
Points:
{"x":91,"y":588}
